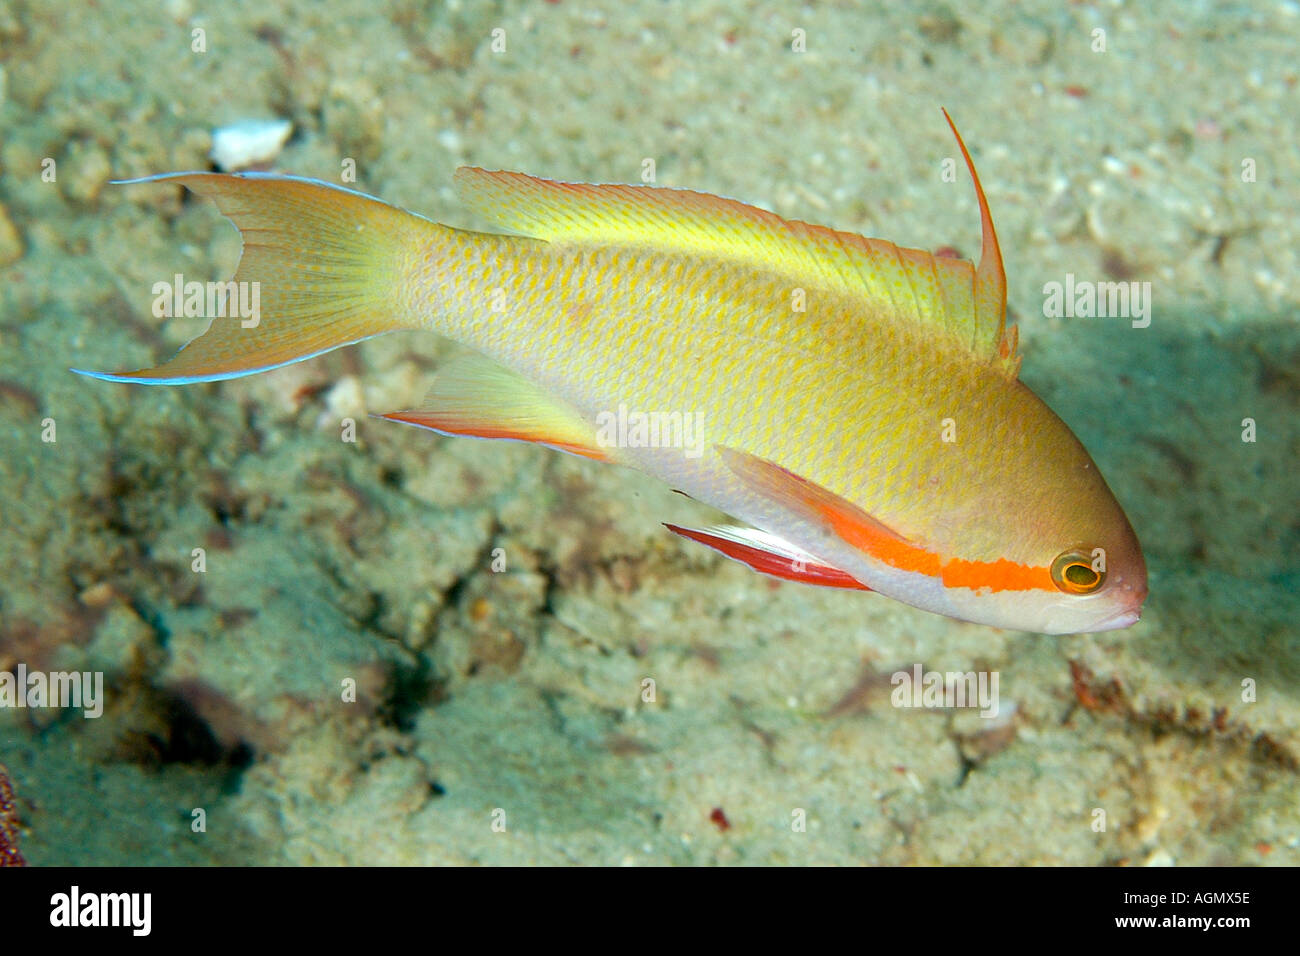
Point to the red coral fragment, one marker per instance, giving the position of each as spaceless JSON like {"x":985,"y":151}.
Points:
{"x":1095,"y":695}
{"x":9,"y":853}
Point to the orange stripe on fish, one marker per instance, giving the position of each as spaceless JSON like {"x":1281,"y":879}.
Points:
{"x":862,"y":531}
{"x":1000,"y":575}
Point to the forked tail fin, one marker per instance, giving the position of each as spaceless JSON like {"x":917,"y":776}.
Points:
{"x":326,"y":267}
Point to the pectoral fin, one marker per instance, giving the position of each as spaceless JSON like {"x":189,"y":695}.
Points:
{"x":827,"y":509}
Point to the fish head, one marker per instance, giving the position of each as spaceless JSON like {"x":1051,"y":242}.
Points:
{"x":1096,"y":583}
{"x":1058,"y":553}
{"x":1045,"y":547}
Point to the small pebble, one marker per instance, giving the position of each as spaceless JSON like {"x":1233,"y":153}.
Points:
{"x":248,"y":143}
{"x":84,"y":171}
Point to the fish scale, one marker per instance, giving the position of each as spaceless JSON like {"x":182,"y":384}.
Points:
{"x":895,"y":408}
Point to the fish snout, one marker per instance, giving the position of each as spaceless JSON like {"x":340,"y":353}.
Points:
{"x":1129,"y":596}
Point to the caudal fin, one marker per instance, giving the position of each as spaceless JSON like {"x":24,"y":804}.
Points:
{"x":329,"y":265}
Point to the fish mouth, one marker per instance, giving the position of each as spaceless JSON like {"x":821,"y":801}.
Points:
{"x":1118,"y":621}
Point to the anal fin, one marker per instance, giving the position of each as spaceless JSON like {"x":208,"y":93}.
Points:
{"x":476,"y":397}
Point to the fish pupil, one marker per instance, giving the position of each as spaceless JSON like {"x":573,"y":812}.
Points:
{"x":1080,"y":575}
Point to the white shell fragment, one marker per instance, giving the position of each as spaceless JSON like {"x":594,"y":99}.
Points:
{"x":248,"y":143}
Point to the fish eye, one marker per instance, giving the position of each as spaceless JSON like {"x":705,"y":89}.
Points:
{"x":1073,"y":573}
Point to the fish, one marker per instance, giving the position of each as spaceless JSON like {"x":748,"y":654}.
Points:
{"x":852,"y":405}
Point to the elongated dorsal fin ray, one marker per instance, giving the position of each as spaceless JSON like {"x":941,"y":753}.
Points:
{"x":990,"y":277}
{"x":940,"y":294}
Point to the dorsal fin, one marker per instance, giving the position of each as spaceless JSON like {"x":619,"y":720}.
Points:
{"x":948,"y":295}
{"x":990,"y":278}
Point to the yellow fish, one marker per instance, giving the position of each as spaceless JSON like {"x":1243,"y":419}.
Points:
{"x":854,"y":404}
